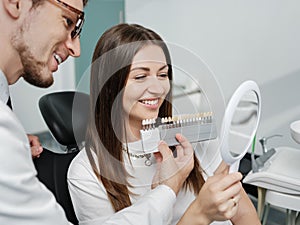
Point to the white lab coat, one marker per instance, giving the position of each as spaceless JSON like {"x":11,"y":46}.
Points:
{"x":23,"y":199}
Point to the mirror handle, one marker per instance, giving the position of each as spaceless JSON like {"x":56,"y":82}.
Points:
{"x":234,"y":167}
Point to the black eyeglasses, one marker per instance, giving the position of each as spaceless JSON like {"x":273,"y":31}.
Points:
{"x":80,"y":17}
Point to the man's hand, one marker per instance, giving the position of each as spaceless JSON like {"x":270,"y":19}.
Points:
{"x":35,"y":145}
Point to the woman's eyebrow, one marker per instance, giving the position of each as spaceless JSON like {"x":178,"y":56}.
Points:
{"x":163,"y":67}
{"x":148,"y":69}
{"x":140,"y":68}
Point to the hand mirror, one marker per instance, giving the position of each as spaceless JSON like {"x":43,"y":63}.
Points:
{"x":240,"y":123}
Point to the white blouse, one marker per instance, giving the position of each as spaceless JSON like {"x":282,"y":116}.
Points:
{"x":158,"y":206}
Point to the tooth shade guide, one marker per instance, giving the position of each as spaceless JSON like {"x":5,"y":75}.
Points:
{"x":148,"y":123}
{"x":195,"y":127}
{"x":177,"y":120}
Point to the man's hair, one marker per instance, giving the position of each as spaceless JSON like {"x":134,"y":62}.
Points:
{"x":37,"y":2}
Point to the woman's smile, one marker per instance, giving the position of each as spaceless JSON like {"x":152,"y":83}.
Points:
{"x":150,"y":103}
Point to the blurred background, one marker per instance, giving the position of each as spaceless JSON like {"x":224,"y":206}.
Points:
{"x":238,"y":40}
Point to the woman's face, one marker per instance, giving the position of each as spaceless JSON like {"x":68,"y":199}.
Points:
{"x":147,"y":85}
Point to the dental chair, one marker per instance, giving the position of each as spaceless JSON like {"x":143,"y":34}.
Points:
{"x":65,"y":114}
{"x":244,"y":168}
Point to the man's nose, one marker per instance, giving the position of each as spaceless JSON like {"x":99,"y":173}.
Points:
{"x":73,"y":46}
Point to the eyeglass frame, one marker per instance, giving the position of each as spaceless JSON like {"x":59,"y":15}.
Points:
{"x":80,"y":17}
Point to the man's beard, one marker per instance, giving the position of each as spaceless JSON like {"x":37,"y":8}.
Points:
{"x":33,"y":69}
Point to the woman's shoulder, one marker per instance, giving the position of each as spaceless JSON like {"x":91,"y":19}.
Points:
{"x":80,"y":166}
{"x":80,"y":158}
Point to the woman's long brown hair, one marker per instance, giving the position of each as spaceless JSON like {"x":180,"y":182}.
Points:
{"x":111,"y":63}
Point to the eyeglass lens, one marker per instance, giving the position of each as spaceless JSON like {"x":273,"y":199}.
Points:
{"x":78,"y":27}
{"x":80,"y":17}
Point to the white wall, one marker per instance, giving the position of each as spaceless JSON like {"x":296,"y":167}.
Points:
{"x":239,"y":40}
{"x":25,"y":97}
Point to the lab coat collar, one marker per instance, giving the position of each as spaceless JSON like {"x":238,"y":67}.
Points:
{"x":4,"y":90}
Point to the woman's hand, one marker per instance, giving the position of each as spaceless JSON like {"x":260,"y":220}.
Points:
{"x":173,"y":171}
{"x":217,"y":200}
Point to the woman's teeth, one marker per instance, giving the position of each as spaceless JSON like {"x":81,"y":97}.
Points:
{"x":57,"y":58}
{"x":150,"y":102}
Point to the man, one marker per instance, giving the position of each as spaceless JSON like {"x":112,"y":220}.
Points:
{"x":36,"y":37}
{"x":35,"y":145}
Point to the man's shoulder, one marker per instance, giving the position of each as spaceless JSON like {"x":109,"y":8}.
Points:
{"x":9,"y":123}
{"x":6,"y":114}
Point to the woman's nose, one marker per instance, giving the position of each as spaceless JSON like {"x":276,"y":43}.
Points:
{"x":156,"y":86}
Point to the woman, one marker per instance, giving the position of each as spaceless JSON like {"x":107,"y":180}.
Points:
{"x":131,"y":81}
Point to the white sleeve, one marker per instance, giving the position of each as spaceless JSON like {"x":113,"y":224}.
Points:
{"x":24,"y":200}
{"x":151,"y":209}
{"x":92,"y":206}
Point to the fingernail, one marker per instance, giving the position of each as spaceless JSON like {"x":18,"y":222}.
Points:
{"x":162,"y":142}
{"x":239,"y":175}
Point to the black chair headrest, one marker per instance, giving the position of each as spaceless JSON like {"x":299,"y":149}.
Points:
{"x":66,"y":115}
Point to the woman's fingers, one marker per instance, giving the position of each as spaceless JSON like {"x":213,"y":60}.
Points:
{"x":173,"y":171}
{"x":225,"y":181}
{"x":186,"y":145}
{"x":164,"y":150}
{"x":158,"y":157}
{"x":179,"y":151}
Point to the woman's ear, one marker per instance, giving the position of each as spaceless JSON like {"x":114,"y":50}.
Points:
{"x":12,"y":7}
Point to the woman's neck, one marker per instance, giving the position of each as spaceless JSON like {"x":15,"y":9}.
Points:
{"x":132,"y":131}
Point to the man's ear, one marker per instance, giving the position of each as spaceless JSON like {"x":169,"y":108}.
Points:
{"x":12,"y":7}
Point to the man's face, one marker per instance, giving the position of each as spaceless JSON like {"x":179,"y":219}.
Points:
{"x":43,"y":40}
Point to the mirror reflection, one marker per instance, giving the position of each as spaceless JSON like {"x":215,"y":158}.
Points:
{"x":243,"y":124}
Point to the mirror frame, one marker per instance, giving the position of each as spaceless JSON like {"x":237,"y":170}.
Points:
{"x":245,"y":87}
